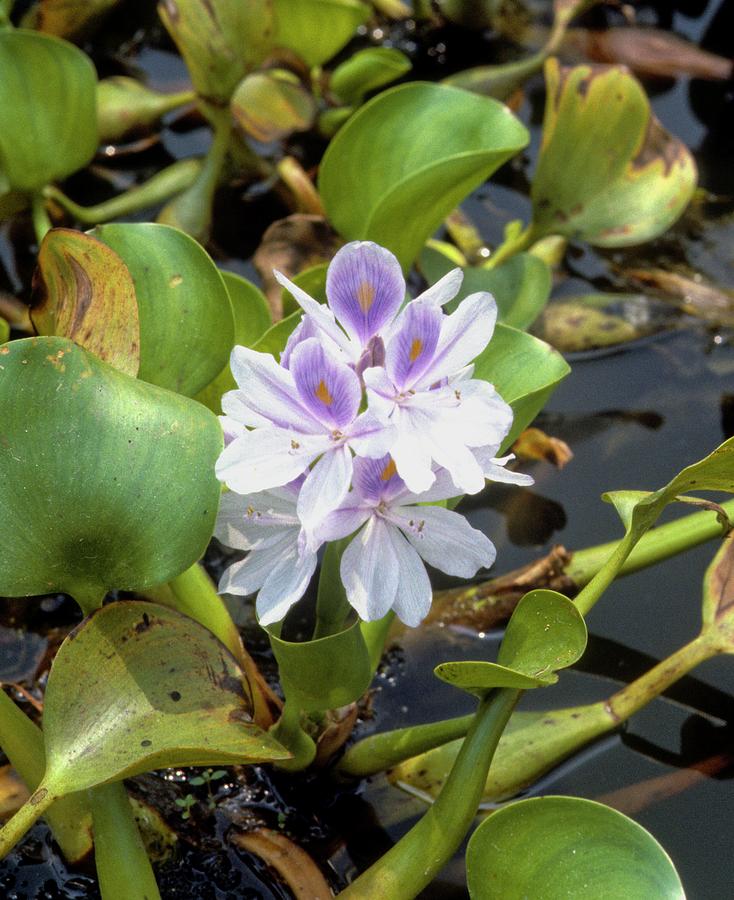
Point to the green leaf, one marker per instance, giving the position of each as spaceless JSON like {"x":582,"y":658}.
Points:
{"x":569,"y":848}
{"x":48,"y":121}
{"x":251,"y":321}
{"x":614,"y":179}
{"x":521,"y":286}
{"x":186,"y":319}
{"x":125,"y":105}
{"x":105,"y":481}
{"x":271,"y":105}
{"x":84,"y":291}
{"x":546,"y":633}
{"x":326,"y":673}
{"x":276,"y":337}
{"x":220,"y":41}
{"x":367,"y":70}
{"x":317,"y":29}
{"x":312,"y":281}
{"x":381,"y":180}
{"x":524,"y":370}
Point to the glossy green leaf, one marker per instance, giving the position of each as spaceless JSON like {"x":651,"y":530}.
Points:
{"x":567,"y":848}
{"x":524,"y":370}
{"x":615,"y":179}
{"x":367,"y":70}
{"x":326,"y":673}
{"x":84,"y":291}
{"x":186,"y":319}
{"x":271,"y":105}
{"x":251,"y":321}
{"x":317,"y":29}
{"x":546,"y":633}
{"x":220,"y":41}
{"x":125,"y":105}
{"x":381,"y":180}
{"x":105,"y":481}
{"x":521,"y":286}
{"x":48,"y":122}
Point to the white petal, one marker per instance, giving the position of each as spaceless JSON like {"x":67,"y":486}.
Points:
{"x":413,"y":596}
{"x":284,"y":586}
{"x":369,"y":571}
{"x":267,"y":458}
{"x":494,"y":468}
{"x":444,"y":289}
{"x":410,"y":451}
{"x":249,"y":574}
{"x":243,"y":521}
{"x":320,"y":314}
{"x":236,"y":410}
{"x":325,"y":487}
{"x":450,"y":453}
{"x":371,"y":436}
{"x":445,"y":539}
{"x":342,"y":522}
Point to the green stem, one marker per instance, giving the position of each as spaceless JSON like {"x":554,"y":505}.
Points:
{"x":165,"y":184}
{"x":417,"y":857}
{"x":511,"y":247}
{"x":290,"y":734}
{"x":383,"y":751}
{"x":123,"y":867}
{"x":14,"y":830}
{"x":41,"y":221}
{"x":88,"y":598}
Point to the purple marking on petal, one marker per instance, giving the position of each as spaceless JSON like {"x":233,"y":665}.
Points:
{"x":376,"y":480}
{"x":305,"y":329}
{"x":329,"y":389}
{"x":365,"y":287}
{"x":413,"y":344}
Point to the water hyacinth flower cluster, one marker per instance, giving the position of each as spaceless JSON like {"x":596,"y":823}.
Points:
{"x":371,"y":412}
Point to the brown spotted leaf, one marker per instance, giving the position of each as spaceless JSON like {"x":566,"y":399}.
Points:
{"x":83,"y":290}
{"x":718,"y":591}
{"x":613,"y":179}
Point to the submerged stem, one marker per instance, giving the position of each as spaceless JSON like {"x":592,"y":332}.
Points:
{"x":418,"y":856}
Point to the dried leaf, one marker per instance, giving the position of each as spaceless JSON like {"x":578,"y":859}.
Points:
{"x":293,"y":864}
{"x":536,"y":444}
{"x":696,"y":296}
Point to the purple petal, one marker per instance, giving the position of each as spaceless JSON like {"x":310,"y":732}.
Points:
{"x":376,"y":479}
{"x":268,"y":390}
{"x":329,"y":389}
{"x":369,"y":570}
{"x":305,"y":329}
{"x":413,"y":599}
{"x":325,"y":487}
{"x":464,"y":334}
{"x":371,"y":436}
{"x":445,"y":539}
{"x":413,"y":345}
{"x":343,"y":521}
{"x":365,"y":288}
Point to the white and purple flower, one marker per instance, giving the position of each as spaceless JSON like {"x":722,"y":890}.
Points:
{"x":371,"y":411}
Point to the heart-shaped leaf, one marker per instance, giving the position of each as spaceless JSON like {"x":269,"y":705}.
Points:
{"x":84,"y":291}
{"x":614,"y":179}
{"x":317,"y":29}
{"x":186,"y":319}
{"x":272,"y":105}
{"x":365,"y":71}
{"x":524,"y":370}
{"x":48,"y":118}
{"x":521,"y":286}
{"x":220,"y":41}
{"x":546,"y":633}
{"x":381,"y":180}
{"x":105,"y":481}
{"x":569,"y":848}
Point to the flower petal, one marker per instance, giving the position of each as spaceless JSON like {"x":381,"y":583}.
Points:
{"x":284,"y":586}
{"x":249,"y":574}
{"x":369,"y":571}
{"x":443,"y":290}
{"x":371,"y":436}
{"x":411,"y":451}
{"x":494,"y":470}
{"x":320,"y":314}
{"x":269,"y":390}
{"x":235,"y":409}
{"x":376,"y":479}
{"x":242,"y":521}
{"x":325,"y":487}
{"x":445,"y":539}
{"x":343,"y":521}
{"x":412,"y":346}
{"x":267,"y":458}
{"x":413,"y":596}
{"x":365,"y":288}
{"x":328,"y":389}
{"x":464,"y":334}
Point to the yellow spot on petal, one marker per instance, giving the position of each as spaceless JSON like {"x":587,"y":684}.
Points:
{"x":415,"y":349}
{"x":322,"y":393}
{"x":365,"y":296}
{"x":389,"y":470}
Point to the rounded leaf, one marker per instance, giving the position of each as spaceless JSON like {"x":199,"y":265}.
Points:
{"x":105,"y":481}
{"x":381,"y":180}
{"x":365,"y":71}
{"x":317,"y":29}
{"x":186,"y":319}
{"x":138,"y":686}
{"x":84,"y":291}
{"x":48,"y":117}
{"x":566,"y":848}
{"x":271,"y":105}
{"x":615,"y":179}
